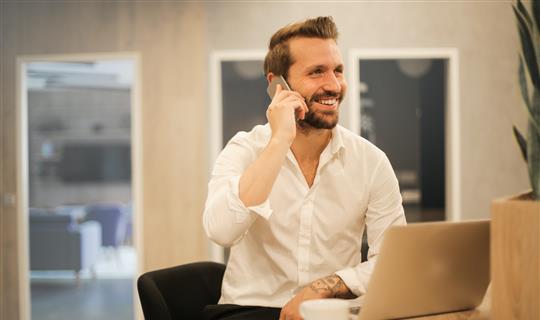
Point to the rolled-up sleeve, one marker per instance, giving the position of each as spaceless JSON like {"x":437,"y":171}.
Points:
{"x":226,"y":219}
{"x":384,"y":210}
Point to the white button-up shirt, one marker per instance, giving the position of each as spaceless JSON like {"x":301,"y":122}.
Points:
{"x":300,"y":234}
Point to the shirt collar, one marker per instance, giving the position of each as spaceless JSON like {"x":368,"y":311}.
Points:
{"x":336,"y":143}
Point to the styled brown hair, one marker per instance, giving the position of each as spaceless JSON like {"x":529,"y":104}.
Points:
{"x":278,"y":59}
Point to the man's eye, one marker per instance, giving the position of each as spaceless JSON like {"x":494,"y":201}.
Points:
{"x":316,"y":72}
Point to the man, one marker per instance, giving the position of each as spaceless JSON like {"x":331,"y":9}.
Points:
{"x":291,"y":198}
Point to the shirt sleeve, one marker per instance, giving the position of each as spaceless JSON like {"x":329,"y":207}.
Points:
{"x":226,"y":219}
{"x":384,"y":210}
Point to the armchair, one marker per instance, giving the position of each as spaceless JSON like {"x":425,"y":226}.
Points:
{"x":112,"y":219}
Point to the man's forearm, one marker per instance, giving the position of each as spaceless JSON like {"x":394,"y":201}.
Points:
{"x":257,"y":181}
{"x":332,"y":286}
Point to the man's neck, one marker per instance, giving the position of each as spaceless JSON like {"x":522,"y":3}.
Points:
{"x":310,"y":143}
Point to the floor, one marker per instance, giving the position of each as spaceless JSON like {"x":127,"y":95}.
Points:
{"x":62,"y":299}
{"x":56,"y":295}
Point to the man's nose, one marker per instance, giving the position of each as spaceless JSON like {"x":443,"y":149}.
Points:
{"x":332,"y":83}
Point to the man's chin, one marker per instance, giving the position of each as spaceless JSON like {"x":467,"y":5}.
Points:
{"x":318,"y":122}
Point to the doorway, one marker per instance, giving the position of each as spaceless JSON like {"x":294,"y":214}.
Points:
{"x":80,"y":158}
{"x":405,"y":101}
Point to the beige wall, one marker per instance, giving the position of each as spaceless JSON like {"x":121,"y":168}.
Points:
{"x":171,"y":43}
{"x":484,"y":34}
{"x":174,"y":40}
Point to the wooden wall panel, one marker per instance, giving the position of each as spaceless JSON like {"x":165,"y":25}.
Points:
{"x":170,"y":39}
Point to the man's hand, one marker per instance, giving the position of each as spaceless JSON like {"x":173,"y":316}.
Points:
{"x":291,"y":311}
{"x":257,"y":181}
{"x":327,"y":287}
{"x":282,"y":112}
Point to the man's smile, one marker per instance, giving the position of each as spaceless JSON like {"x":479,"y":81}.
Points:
{"x":326,"y":102}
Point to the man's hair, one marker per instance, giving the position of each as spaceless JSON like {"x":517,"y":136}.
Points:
{"x":278,"y":59}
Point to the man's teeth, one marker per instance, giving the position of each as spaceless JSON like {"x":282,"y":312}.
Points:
{"x":328,"y":101}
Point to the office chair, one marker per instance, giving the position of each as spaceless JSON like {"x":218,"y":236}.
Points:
{"x":180,"y":292}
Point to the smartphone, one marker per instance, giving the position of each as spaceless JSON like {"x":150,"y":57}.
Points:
{"x":272,"y":90}
{"x":272,"y":86}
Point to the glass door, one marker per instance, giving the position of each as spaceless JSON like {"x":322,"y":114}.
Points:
{"x":80,"y":218}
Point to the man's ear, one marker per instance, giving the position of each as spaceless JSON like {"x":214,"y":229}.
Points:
{"x":269,"y":77}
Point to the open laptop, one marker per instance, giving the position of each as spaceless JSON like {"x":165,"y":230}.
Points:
{"x":429,"y":268}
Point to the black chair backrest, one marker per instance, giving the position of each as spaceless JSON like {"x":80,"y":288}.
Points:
{"x":180,"y":292}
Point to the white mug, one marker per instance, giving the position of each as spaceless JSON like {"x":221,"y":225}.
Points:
{"x":325,"y":309}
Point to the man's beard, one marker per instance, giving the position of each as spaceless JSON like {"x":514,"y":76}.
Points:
{"x":321,"y":119}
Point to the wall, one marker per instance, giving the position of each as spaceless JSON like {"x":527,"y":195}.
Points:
{"x":483,"y":32}
{"x":170,"y":39}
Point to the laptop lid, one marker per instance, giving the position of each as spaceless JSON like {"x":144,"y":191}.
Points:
{"x":429,"y":268}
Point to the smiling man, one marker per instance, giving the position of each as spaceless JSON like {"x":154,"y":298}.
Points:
{"x":292,"y":198}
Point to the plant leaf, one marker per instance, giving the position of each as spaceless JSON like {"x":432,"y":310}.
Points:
{"x":525,"y":95}
{"x":536,"y":13}
{"x":527,"y":48}
{"x":533,"y":159}
{"x":522,"y":143}
{"x":523,"y":85}
{"x":523,"y":11}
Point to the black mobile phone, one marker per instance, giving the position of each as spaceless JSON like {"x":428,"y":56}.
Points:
{"x":272,"y":86}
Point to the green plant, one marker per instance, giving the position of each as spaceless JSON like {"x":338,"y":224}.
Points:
{"x":529,"y":34}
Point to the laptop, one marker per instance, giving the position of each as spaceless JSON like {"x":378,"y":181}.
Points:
{"x":429,"y":268}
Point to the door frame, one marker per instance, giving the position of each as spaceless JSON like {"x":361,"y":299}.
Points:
{"x":22,"y":166}
{"x":451,"y":110}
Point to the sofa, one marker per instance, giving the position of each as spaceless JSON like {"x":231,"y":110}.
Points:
{"x":59,"y":242}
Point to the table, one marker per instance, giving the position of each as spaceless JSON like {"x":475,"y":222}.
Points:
{"x":482,"y":312}
{"x":462,"y":315}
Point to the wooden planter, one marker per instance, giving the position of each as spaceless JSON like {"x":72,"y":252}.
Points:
{"x":515,"y":259}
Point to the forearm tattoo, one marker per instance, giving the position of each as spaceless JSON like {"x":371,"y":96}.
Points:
{"x":332,"y":287}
